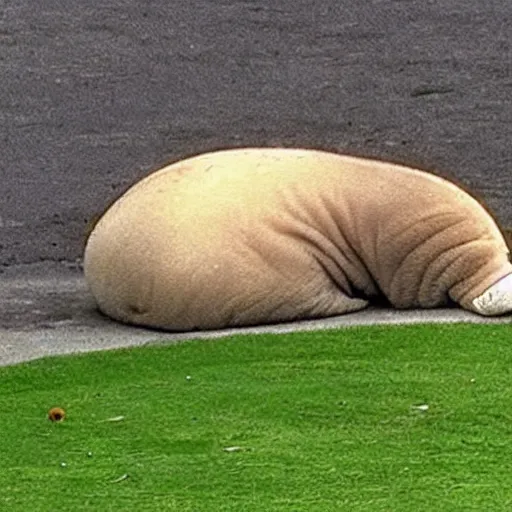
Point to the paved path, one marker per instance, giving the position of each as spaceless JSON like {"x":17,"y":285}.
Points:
{"x":95,"y":95}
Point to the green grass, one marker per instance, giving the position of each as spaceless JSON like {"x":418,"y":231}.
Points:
{"x":325,"y":421}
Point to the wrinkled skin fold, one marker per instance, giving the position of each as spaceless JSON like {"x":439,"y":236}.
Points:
{"x":252,"y":236}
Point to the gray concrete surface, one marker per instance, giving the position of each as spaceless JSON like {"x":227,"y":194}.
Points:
{"x":95,"y":95}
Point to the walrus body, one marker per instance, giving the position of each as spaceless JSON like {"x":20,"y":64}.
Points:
{"x":251,"y":236}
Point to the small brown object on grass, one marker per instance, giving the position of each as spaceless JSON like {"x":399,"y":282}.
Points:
{"x":56,"y":414}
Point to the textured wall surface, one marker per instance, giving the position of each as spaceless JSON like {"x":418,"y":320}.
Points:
{"x":94,"y":95}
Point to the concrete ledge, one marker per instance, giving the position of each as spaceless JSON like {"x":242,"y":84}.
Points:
{"x":46,"y":310}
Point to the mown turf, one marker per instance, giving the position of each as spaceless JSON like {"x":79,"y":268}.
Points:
{"x":323,"y":421}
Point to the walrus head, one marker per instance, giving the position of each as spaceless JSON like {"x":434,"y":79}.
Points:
{"x":497,"y":300}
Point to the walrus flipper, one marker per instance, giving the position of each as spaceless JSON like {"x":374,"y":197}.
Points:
{"x":497,"y":299}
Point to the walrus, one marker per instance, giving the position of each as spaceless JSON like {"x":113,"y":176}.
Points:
{"x":262,"y":235}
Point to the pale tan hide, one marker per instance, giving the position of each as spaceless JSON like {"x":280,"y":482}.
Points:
{"x":252,"y":236}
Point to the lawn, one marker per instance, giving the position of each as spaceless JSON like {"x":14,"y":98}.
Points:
{"x":407,"y":418}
